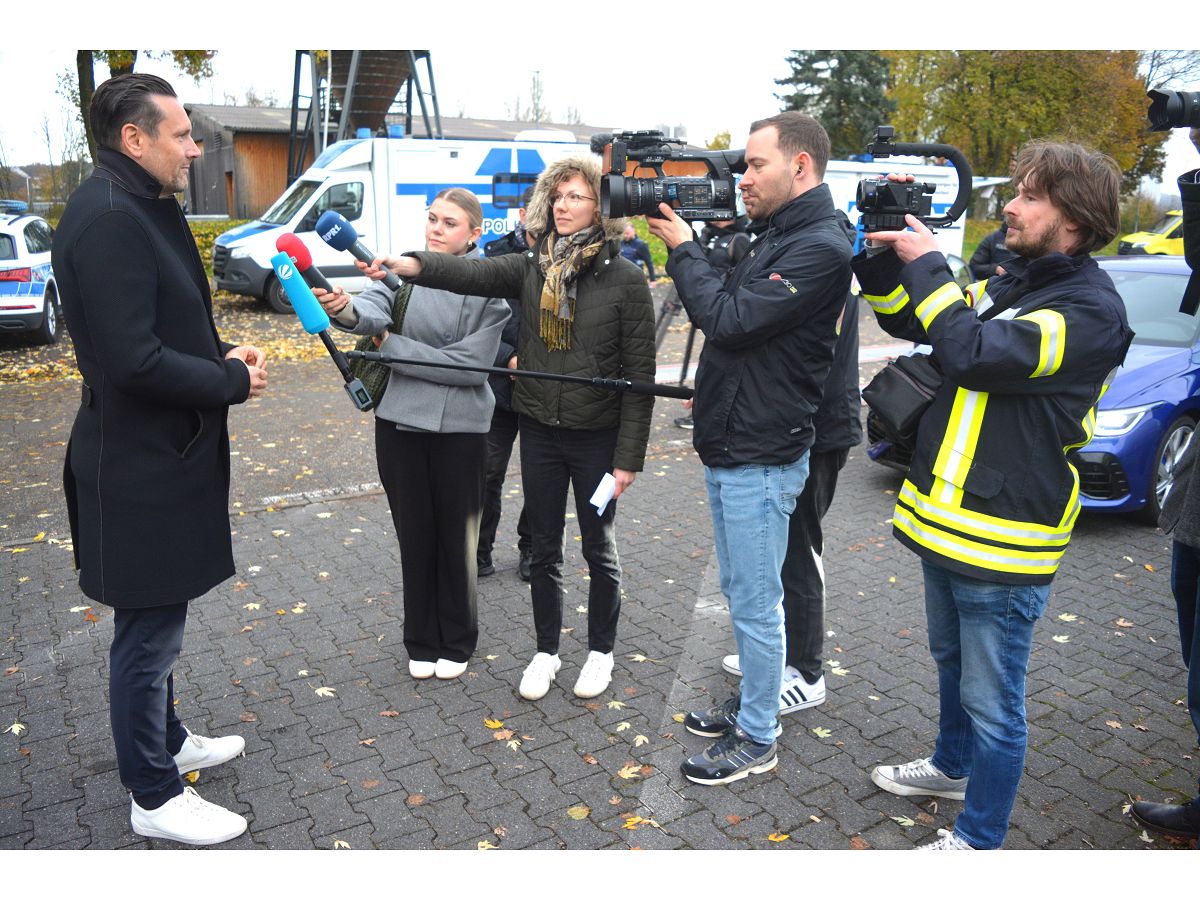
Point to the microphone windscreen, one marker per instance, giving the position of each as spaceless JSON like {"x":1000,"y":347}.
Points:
{"x":312,"y":316}
{"x":336,"y":231}
{"x":295,"y":248}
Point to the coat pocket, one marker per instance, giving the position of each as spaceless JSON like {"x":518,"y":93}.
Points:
{"x":969,"y":474}
{"x":198,"y":431}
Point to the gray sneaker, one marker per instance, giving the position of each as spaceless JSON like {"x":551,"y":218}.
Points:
{"x":919,"y":778}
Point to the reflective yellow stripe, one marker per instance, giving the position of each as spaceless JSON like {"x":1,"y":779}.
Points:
{"x":1054,"y":338}
{"x":975,"y":292}
{"x":973,"y":553}
{"x":929,"y":308}
{"x":958,"y":445}
{"x":1071,"y":513}
{"x":889,"y":304}
{"x":1089,"y":428}
{"x":981,"y":525}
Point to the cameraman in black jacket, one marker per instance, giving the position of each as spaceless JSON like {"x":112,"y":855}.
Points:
{"x":769,"y":327}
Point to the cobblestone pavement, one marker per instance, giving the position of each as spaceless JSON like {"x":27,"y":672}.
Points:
{"x":380,"y":760}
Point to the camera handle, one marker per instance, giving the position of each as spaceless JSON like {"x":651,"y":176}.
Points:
{"x":885,"y":148}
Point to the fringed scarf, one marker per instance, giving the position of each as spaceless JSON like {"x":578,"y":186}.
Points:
{"x":561,"y":261}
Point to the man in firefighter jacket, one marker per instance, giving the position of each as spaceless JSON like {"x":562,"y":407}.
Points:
{"x":990,"y":499}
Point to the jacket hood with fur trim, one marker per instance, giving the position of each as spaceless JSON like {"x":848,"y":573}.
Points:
{"x":538,"y":217}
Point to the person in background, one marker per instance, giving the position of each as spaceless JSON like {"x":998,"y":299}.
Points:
{"x":637,"y":251}
{"x":988,"y":258}
{"x":431,"y":435}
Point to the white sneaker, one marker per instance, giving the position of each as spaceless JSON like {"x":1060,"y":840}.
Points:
{"x":189,"y":819}
{"x":919,"y":778}
{"x":947,"y":840}
{"x":796,"y":693}
{"x":540,"y":672}
{"x":199,"y":752}
{"x":446,"y":669}
{"x":595,"y":675}
{"x":421,"y":669}
{"x":730,"y":665}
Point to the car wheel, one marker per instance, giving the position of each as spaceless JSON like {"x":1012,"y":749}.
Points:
{"x":1170,"y":450}
{"x":277,"y":298}
{"x":51,"y":325}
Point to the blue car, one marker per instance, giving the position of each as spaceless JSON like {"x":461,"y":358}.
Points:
{"x":1146,"y":418}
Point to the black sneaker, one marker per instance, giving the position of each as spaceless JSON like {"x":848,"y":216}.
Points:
{"x":523,"y":565}
{"x":484,"y":566}
{"x":719,"y":720}
{"x":731,"y":758}
{"x":685,"y":422}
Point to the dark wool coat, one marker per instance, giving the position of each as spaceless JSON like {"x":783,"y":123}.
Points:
{"x":146,"y":475}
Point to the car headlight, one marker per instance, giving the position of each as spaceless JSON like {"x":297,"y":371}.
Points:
{"x":1114,"y":422}
{"x":239,"y":252}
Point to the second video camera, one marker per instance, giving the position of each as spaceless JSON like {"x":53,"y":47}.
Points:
{"x":698,"y":184}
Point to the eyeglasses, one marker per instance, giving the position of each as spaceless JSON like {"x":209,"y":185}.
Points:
{"x":572,"y":199}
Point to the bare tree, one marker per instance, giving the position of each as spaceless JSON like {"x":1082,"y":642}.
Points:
{"x":1161,"y":68}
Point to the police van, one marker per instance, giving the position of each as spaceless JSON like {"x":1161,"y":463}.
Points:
{"x":383,"y":186}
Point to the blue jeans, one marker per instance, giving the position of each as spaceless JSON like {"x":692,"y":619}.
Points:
{"x":751,"y":507}
{"x":980,"y":634}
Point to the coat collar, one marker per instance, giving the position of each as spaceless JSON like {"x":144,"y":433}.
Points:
{"x":125,"y":171}
{"x":1038,"y":272}
{"x":814,"y":204}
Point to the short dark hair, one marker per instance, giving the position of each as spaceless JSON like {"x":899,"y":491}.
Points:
{"x":123,"y":100}
{"x":526,"y":197}
{"x":799,"y":133}
{"x":1084,"y":184}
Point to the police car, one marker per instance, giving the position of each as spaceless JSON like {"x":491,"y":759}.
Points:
{"x":28,"y":295}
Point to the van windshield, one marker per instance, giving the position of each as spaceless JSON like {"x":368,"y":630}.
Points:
{"x":1166,"y":223}
{"x":293,"y":199}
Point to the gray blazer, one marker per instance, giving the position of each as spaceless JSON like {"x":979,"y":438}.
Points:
{"x":439,"y":326}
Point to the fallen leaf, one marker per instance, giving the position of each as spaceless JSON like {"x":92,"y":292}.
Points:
{"x":370,"y":783}
{"x":389,"y":714}
{"x":486,"y":845}
{"x":1148,"y":567}
{"x":1061,"y":639}
{"x":840,"y":671}
{"x":903,"y":632}
{"x":622,"y":726}
{"x":872,"y":697}
{"x":246,"y":628}
{"x":90,"y":616}
{"x":297,"y":609}
{"x":615,"y":800}
{"x":252,"y":606}
{"x":777,"y":838}
{"x":514,"y":744}
{"x":303,"y":673}
{"x":325,"y":691}
{"x":493,"y":656}
{"x":248,"y":717}
{"x":578,"y":812}
{"x":640,"y":740}
{"x":324,"y":515}
{"x":1067,"y":617}
{"x":859,"y":843}
{"x":678,"y":717}
{"x":281,"y":612}
{"x":1124,"y":623}
{"x":340,"y":845}
{"x":415,"y":799}
{"x":1140,"y":727}
{"x":630,"y":771}
{"x":638,"y":657}
{"x":903,"y":821}
{"x":503,"y":734}
{"x":924,"y":818}
{"x":493,"y":723}
{"x":822,"y":732}
{"x":500,"y":831}
{"x":192,"y":777}
{"x":1145,"y":838}
{"x":17,"y":728}
{"x":368,"y":742}
{"x":615,"y":704}
{"x":814,"y":819}
{"x":581,"y":609}
{"x":733,"y":818}
{"x":1111,"y":723}
{"x":589,"y":759}
{"x":79,"y":608}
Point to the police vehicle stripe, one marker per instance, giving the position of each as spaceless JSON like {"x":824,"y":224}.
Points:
{"x":1054,"y":334}
{"x":931,"y":306}
{"x":975,"y":554}
{"x":981,"y":525}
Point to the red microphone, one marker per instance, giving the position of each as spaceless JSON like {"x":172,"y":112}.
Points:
{"x":294,"y":247}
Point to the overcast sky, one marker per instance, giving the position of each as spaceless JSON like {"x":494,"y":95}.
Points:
{"x":621,"y":72}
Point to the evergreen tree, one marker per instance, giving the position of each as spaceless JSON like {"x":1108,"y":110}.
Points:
{"x":844,"y":90}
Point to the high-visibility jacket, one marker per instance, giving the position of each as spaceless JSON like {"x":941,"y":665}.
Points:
{"x":1026,"y":355}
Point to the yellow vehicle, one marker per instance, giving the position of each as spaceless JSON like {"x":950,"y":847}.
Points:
{"x":1165,"y":237}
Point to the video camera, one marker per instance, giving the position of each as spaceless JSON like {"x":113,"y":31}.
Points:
{"x":883,"y":204}
{"x":698,"y":184}
{"x":1181,"y":109}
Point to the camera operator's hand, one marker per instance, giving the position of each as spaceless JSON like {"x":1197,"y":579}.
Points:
{"x":670,"y":229}
{"x":909,"y":245}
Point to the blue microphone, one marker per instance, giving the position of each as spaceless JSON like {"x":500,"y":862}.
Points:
{"x":340,"y":235}
{"x":315,"y":321}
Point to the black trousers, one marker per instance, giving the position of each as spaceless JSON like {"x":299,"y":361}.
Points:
{"x":803,"y":573}
{"x":499,"y":443}
{"x":141,"y":699}
{"x":553,"y":460}
{"x":434,"y":484}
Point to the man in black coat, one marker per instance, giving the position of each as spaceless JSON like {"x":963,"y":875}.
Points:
{"x":146,"y":475}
